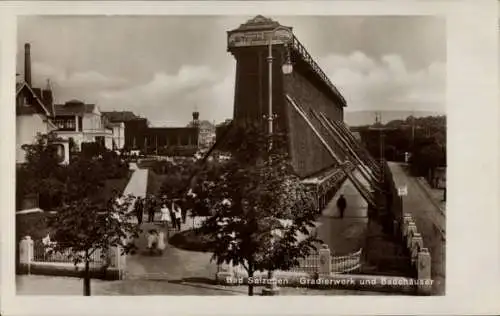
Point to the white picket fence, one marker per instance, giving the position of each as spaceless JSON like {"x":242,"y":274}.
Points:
{"x":312,"y":264}
{"x":339,"y":264}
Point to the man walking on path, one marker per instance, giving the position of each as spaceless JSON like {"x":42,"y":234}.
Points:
{"x":341,"y":205}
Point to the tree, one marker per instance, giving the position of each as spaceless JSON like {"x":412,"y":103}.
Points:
{"x":258,"y":206}
{"x":82,"y":227}
{"x":427,"y":158}
{"x":41,"y":174}
{"x":84,"y":221}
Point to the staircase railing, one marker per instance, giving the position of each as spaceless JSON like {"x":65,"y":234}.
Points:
{"x":347,"y":150}
{"x":361,"y":150}
{"x":354,"y":145}
{"x":365,"y":193}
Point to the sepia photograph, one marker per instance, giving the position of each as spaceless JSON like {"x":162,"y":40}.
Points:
{"x":262,"y":155}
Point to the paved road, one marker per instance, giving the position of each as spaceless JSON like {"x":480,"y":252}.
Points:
{"x":49,"y":285}
{"x":138,"y":183}
{"x":431,"y":222}
{"x":173,"y":264}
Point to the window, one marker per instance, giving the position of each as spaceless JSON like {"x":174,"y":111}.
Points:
{"x":65,"y":124}
{"x":23,"y":101}
{"x":100,"y":140}
{"x":80,"y":123}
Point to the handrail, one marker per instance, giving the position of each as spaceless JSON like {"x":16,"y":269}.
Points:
{"x":297,"y":45}
{"x":342,"y":164}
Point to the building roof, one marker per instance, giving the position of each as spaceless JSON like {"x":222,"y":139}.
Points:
{"x":113,"y":124}
{"x":37,"y":96}
{"x":120,"y":116}
{"x":257,"y":23}
{"x":73,"y":107}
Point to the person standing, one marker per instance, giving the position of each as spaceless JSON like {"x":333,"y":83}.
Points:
{"x":177,"y":215}
{"x":152,"y":241}
{"x":139,"y":209}
{"x":151,"y":210}
{"x":165,"y":216}
{"x":184,"y":211}
{"x":341,"y":205}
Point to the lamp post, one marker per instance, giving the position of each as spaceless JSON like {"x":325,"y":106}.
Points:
{"x":287,"y":68}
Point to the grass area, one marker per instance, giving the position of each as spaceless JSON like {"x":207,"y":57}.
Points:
{"x":190,"y":240}
{"x":155,"y":182}
{"x":110,"y":185}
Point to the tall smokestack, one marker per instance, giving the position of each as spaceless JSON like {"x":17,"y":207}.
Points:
{"x":27,"y":64}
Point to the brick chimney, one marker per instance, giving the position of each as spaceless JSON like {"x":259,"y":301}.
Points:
{"x":27,"y":63}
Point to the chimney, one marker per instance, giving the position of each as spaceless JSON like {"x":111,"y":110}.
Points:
{"x":48,"y":99}
{"x":27,"y":64}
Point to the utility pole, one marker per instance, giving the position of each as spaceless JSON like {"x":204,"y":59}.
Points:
{"x":412,"y":132}
{"x":377,"y":126}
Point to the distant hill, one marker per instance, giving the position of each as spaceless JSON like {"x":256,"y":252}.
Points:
{"x":358,"y":118}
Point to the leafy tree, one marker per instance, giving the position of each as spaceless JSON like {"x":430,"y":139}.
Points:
{"x":92,"y":149}
{"x":258,"y":206}
{"x":83,"y":178}
{"x":83,"y":227}
{"x":84,"y":221}
{"x":427,"y":158}
{"x":41,"y":174}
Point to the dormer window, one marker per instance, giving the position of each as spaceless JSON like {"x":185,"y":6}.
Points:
{"x":24,"y":101}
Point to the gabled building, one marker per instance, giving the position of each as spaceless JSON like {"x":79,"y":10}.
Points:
{"x":34,"y":109}
{"x":118,"y":121}
{"x":82,"y":123}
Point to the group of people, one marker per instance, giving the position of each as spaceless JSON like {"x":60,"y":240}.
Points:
{"x":170,"y":216}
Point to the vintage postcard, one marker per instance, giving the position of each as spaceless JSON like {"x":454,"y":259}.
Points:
{"x":171,"y":152}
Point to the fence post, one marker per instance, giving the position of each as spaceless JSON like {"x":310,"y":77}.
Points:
{"x":116,"y":260}
{"x":224,"y":271}
{"x":121,"y":261}
{"x":26,"y":246}
{"x":325,"y":261}
{"x":417,"y":243}
{"x":412,"y":229}
{"x":404,"y":223}
{"x":424,"y":272}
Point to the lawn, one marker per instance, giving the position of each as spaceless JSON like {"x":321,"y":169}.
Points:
{"x":111,"y":185}
{"x":190,"y":240}
{"x":155,"y":182}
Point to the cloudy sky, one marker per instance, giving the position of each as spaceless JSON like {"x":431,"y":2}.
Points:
{"x":165,"y":67}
